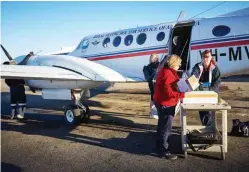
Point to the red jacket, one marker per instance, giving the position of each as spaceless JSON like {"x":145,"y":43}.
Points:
{"x":165,"y":88}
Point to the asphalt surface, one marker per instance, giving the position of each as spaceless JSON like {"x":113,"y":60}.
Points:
{"x":114,"y":140}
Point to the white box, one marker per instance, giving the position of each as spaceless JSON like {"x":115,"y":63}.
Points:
{"x":210,"y":97}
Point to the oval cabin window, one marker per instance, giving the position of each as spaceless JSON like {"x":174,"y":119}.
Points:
{"x":128,"y":40}
{"x":116,"y":41}
{"x":221,"y":30}
{"x":141,"y":38}
{"x":106,"y":42}
{"x":160,"y":36}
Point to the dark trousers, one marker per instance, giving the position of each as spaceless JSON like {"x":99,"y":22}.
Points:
{"x":151,"y":87}
{"x":166,"y":116}
{"x":17,"y":96}
{"x":206,"y":117}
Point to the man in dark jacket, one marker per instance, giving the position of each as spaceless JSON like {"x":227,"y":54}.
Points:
{"x":17,"y":96}
{"x":149,"y":74}
{"x":209,"y":78}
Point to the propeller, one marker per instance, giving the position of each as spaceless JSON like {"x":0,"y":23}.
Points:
{"x":6,"y":53}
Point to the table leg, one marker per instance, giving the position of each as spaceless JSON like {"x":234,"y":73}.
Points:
{"x":214,"y":123}
{"x":223,"y":154}
{"x":224,"y":130}
{"x":184,"y":131}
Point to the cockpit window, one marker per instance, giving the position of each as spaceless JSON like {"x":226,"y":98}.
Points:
{"x":84,"y":44}
{"x":141,"y":38}
{"x":221,"y":30}
{"x":128,"y":40}
{"x":160,"y":36}
{"x":106,"y":42}
{"x":116,"y":41}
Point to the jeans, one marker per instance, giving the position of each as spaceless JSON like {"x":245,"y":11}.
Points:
{"x":166,"y":116}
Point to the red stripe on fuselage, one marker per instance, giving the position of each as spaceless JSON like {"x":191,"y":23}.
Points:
{"x":130,"y":55}
{"x":222,"y":44}
{"x":194,"y":47}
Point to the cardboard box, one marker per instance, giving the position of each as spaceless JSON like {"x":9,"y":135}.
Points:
{"x":201,"y":97}
{"x":192,"y":82}
{"x":189,"y":84}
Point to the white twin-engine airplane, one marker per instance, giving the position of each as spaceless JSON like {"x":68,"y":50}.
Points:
{"x":120,"y":56}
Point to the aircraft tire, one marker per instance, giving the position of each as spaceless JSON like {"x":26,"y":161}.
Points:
{"x":72,"y":115}
{"x":85,"y":116}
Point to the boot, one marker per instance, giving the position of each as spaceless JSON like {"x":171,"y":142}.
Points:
{"x":20,"y":114}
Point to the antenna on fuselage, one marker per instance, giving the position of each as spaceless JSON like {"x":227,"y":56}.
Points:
{"x":38,"y":52}
{"x":209,"y":9}
{"x":181,"y":16}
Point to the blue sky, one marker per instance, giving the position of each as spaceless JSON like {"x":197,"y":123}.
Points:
{"x":47,"y":26}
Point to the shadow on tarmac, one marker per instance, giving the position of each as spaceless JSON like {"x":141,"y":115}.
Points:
{"x":10,"y":167}
{"x":140,"y":140}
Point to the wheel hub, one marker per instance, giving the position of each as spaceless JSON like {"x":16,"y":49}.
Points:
{"x":69,"y":116}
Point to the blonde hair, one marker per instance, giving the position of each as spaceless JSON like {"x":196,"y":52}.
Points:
{"x":152,"y":57}
{"x":173,"y":61}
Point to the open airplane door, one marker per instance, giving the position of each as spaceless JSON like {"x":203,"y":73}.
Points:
{"x":179,"y":43}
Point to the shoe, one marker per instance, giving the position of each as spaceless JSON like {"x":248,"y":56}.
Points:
{"x":154,"y":116}
{"x":169,"y":156}
{"x":19,"y":116}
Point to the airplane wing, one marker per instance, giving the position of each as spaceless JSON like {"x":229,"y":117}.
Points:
{"x":39,"y":73}
{"x":60,"y":73}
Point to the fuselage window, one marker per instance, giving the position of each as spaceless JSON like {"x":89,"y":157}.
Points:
{"x":141,"y":38}
{"x":116,"y":41}
{"x":106,"y":42}
{"x":221,"y":30}
{"x":128,"y":40}
{"x":160,"y":36}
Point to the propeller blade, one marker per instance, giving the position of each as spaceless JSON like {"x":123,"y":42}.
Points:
{"x":6,"y":53}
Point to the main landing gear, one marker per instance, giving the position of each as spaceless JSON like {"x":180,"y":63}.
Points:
{"x":77,"y":113}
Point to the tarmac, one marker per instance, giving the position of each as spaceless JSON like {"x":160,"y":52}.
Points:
{"x":120,"y":136}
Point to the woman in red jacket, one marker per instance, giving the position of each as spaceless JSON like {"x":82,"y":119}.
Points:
{"x":166,"y":98}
